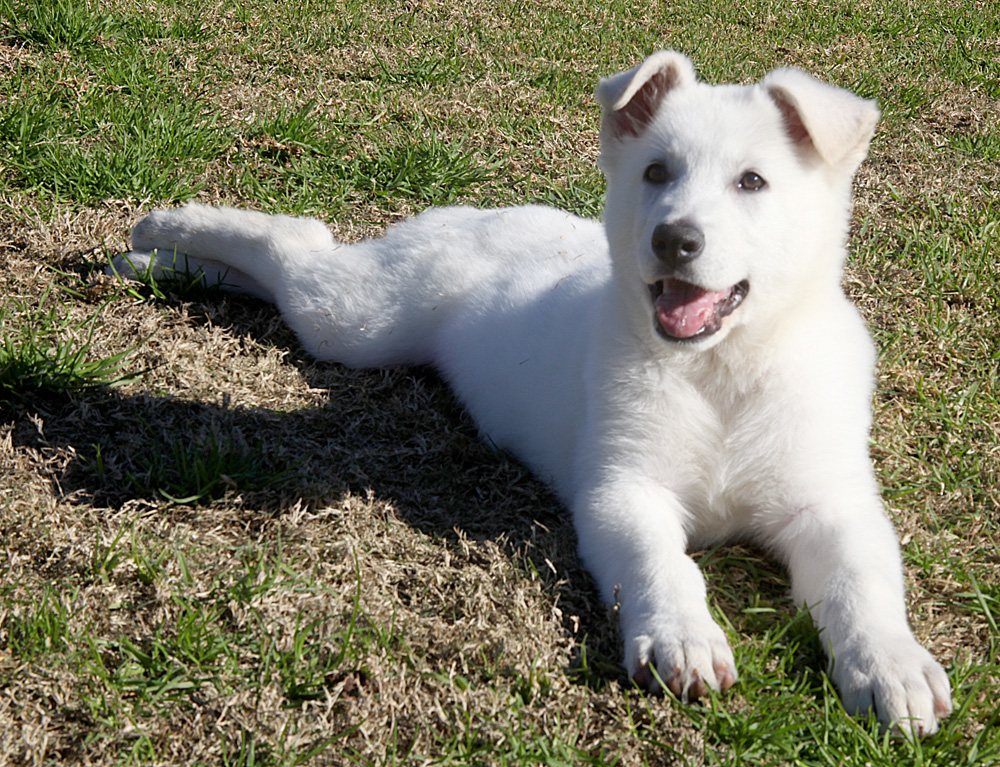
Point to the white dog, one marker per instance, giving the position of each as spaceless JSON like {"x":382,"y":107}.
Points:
{"x":689,"y":373}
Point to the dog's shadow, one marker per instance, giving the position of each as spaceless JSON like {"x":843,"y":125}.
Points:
{"x":397,"y":436}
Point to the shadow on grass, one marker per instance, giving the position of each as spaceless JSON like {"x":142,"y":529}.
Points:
{"x":395,"y":436}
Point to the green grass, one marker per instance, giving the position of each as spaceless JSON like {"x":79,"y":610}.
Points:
{"x":217,"y":551}
{"x":205,"y":469}
{"x":45,"y":350}
{"x":39,"y":627}
{"x":54,"y":25}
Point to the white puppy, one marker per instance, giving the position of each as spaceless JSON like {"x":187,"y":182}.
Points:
{"x":689,"y":373}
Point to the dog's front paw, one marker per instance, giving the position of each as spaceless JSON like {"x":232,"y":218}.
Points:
{"x":897,"y":680}
{"x":686,"y":656}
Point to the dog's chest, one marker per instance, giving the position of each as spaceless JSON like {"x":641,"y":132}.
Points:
{"x":729,"y":457}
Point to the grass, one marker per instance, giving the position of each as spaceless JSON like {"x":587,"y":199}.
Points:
{"x":56,"y":25}
{"x":218,"y":551}
{"x":45,"y":350}
{"x":198,"y":471}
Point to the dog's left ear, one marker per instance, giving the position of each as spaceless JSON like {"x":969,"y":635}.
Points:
{"x":630,"y":100}
{"x":833,"y":122}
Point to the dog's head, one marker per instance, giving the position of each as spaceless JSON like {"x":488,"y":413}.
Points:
{"x":726,"y":203}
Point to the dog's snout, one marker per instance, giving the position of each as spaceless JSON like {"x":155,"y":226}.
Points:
{"x":677,"y":244}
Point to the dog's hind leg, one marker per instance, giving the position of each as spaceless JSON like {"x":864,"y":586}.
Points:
{"x":376,"y":303}
{"x":170,"y":265}
{"x":234,"y":249}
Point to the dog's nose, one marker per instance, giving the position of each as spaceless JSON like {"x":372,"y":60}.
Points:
{"x":677,"y":244}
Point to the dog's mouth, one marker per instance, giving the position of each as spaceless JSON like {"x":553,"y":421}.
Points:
{"x":686,"y":312}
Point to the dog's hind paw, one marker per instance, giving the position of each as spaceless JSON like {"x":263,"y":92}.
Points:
{"x":898,"y":681}
{"x":155,"y":265}
{"x":132,"y":266}
{"x":687,"y":661}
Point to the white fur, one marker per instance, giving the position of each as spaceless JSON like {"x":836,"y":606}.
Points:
{"x":657,"y":446}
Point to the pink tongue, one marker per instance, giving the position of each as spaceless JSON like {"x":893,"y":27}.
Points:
{"x":684,"y":309}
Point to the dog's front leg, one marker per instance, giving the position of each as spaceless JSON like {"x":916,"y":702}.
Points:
{"x":633,"y":541}
{"x":845,"y":566}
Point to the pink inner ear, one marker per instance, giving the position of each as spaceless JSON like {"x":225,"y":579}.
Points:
{"x":633,"y":118}
{"x":794,"y":126}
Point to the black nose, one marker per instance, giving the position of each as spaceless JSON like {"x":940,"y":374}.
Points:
{"x":677,"y":244}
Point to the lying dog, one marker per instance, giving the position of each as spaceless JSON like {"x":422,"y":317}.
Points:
{"x":689,"y":373}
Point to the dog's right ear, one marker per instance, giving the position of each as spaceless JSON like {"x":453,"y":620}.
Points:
{"x":629,"y":100}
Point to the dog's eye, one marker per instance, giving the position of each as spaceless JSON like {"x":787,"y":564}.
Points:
{"x":657,"y":173}
{"x":751,"y":182}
